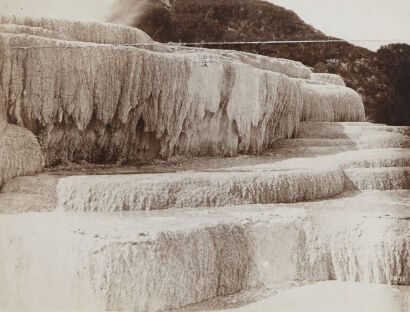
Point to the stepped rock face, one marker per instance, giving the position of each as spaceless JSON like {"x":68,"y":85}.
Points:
{"x":78,"y":91}
{"x":73,"y":31}
{"x":149,"y":262}
{"x":331,"y":103}
{"x":115,"y":103}
{"x":378,"y":178}
{"x":106,"y":257}
{"x":163,"y":191}
{"x":286,"y":181}
{"x":20,"y":153}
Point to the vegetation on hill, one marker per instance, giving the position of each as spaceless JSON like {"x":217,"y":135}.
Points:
{"x":381,"y":78}
{"x":394,"y":61}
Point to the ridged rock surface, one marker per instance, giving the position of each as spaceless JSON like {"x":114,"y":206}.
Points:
{"x":73,"y":30}
{"x":3,"y":118}
{"x":117,"y":103}
{"x":331,"y":103}
{"x":328,"y":78}
{"x":158,"y":260}
{"x":322,"y":296}
{"x":113,"y":103}
{"x":163,"y":191}
{"x":162,"y":260}
{"x":20,"y":153}
{"x":275,"y":181}
{"x":349,"y":130}
{"x":88,"y":95}
{"x":378,"y":178}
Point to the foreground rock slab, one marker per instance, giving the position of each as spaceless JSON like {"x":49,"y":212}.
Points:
{"x":320,"y":297}
{"x":147,"y":261}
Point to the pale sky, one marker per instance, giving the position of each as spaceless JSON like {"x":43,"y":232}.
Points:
{"x":347,"y":19}
{"x":356,"y":19}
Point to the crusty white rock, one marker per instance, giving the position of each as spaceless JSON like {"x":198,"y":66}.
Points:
{"x":116,"y":103}
{"x":89,"y":97}
{"x":167,"y":259}
{"x":200,"y":189}
{"x":73,"y":31}
{"x":331,"y":103}
{"x":378,"y":178}
{"x":276,"y":181}
{"x":328,"y":78}
{"x":20,"y":153}
{"x":111,"y":103}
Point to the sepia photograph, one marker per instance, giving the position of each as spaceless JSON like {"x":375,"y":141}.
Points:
{"x":205,"y":155}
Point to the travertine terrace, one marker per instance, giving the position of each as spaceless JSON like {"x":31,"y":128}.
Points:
{"x":158,"y":177}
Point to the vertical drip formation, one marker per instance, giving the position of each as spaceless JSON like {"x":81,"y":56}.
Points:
{"x":89,"y":103}
{"x":114,"y":103}
{"x":139,"y":265}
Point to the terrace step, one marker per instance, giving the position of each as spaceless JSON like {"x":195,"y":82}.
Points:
{"x":396,"y":141}
{"x":350,"y":130}
{"x":121,"y":258}
{"x":284,"y":181}
{"x":242,"y":180}
{"x":382,"y":179}
{"x":147,"y":261}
